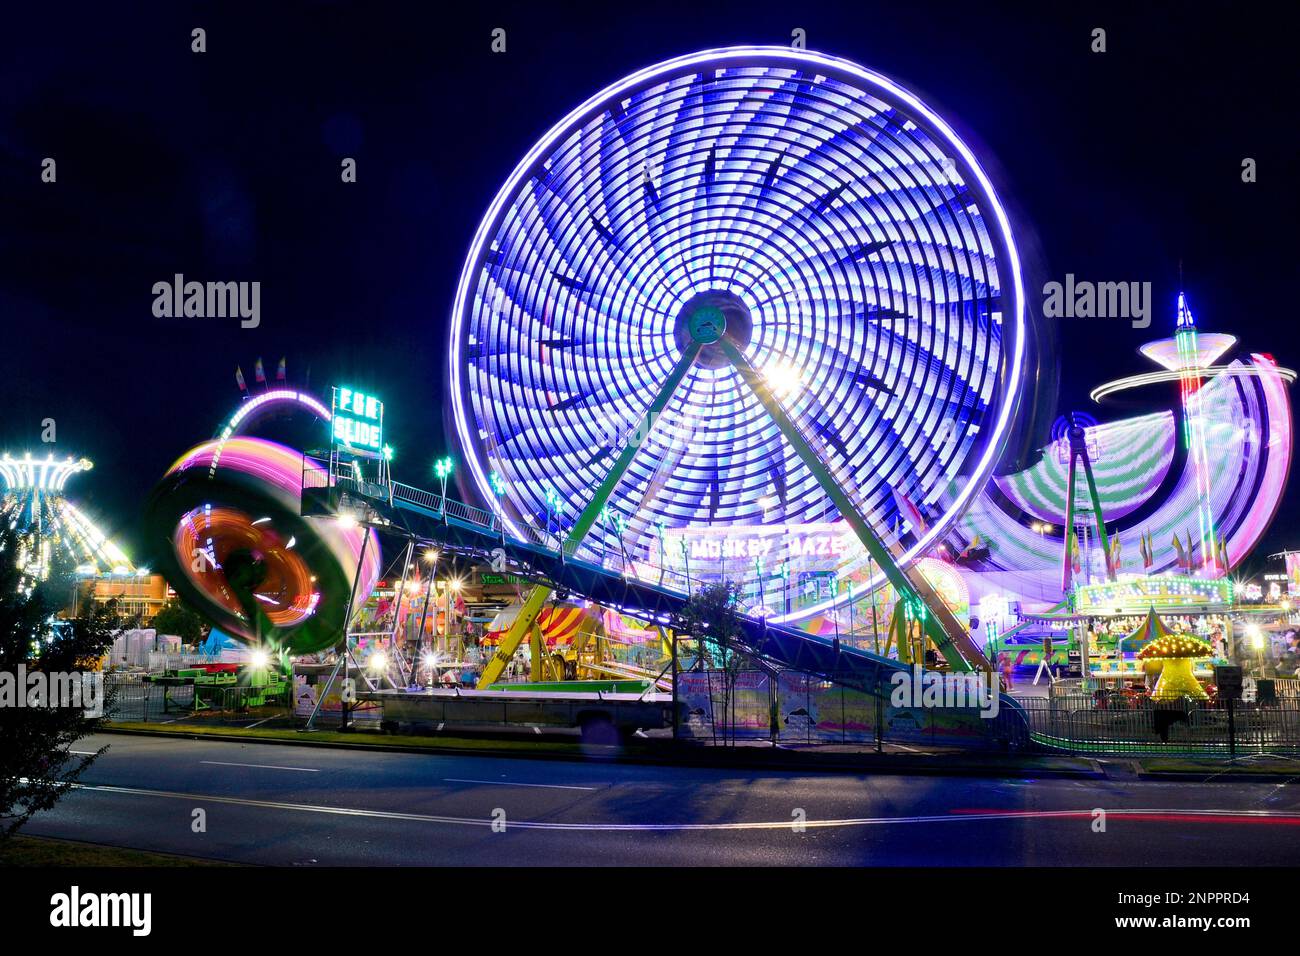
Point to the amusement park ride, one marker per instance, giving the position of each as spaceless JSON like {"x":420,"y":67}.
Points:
{"x":35,"y":502}
{"x":733,"y":297}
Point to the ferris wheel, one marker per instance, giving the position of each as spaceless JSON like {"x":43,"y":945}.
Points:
{"x":738,"y":299}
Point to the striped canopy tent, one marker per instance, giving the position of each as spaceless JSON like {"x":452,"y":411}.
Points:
{"x":1146,"y":632}
{"x":560,"y":624}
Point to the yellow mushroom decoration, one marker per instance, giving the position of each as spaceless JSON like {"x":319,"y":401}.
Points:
{"x":1177,"y":651}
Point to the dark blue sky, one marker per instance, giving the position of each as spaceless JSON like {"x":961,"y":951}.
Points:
{"x":226,"y":165}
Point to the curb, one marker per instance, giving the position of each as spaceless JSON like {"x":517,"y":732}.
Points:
{"x":713,"y":758}
{"x":1212,"y":776}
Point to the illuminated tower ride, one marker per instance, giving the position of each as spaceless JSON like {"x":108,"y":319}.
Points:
{"x":1191,"y":354}
{"x":1191,"y":360}
{"x":50,"y":526}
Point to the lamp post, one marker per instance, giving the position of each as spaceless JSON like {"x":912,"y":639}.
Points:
{"x":451,"y":584}
{"x":620,"y":527}
{"x":498,"y":485}
{"x":661,"y":529}
{"x":431,"y":559}
{"x":552,"y":509}
{"x":852,"y":600}
{"x":443,"y":468}
{"x":604,"y":532}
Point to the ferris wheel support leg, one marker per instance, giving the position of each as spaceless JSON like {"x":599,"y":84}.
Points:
{"x":939,"y":623}
{"x":532,"y":606}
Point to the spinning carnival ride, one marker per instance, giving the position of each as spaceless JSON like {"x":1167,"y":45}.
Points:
{"x":234,"y":543}
{"x":739,"y":294}
{"x":49,"y":526}
{"x":1191,"y":489}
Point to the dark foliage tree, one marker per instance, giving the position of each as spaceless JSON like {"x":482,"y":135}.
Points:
{"x":710,"y":617}
{"x":36,"y":767}
{"x":178,"y":619}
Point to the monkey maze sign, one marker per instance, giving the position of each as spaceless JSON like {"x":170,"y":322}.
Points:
{"x":357,"y":422}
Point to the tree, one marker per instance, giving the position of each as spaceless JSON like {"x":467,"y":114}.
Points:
{"x":179,"y":620}
{"x":710,"y":617}
{"x":36,"y":767}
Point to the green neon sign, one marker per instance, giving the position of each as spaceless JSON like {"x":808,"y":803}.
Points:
{"x":357,"y":421}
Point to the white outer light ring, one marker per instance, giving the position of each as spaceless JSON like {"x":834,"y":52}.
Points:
{"x":719,"y":57}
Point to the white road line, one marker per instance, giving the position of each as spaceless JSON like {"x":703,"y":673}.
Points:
{"x":507,"y":783}
{"x":1174,"y":815}
{"x":259,"y":766}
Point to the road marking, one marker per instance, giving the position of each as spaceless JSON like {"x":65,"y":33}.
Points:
{"x":1145,"y":815}
{"x":507,"y":783}
{"x":259,"y":766}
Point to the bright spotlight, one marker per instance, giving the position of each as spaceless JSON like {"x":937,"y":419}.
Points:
{"x":260,"y":659}
{"x":378,"y":661}
{"x":784,"y":379}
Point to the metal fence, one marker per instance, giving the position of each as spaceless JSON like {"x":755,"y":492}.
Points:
{"x":133,"y":699}
{"x":1115,"y":723}
{"x":813,"y":711}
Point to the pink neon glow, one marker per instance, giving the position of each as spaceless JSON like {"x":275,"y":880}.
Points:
{"x":277,"y":395}
{"x":1273,"y":482}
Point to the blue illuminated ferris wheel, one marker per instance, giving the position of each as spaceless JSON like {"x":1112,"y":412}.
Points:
{"x":776,"y":254}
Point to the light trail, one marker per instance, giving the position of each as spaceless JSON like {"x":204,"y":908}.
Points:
{"x":1145,"y":815}
{"x":1115,"y":386}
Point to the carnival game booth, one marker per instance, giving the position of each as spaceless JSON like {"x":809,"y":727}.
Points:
{"x":1126,"y":659}
{"x":1121,"y":617}
{"x":575,"y":642}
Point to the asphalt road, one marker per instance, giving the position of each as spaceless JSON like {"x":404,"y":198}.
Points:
{"x":298,"y":806}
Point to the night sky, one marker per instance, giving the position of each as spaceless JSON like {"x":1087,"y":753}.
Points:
{"x":225,"y":165}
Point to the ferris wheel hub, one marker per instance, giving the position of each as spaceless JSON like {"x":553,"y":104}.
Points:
{"x":707,"y":318}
